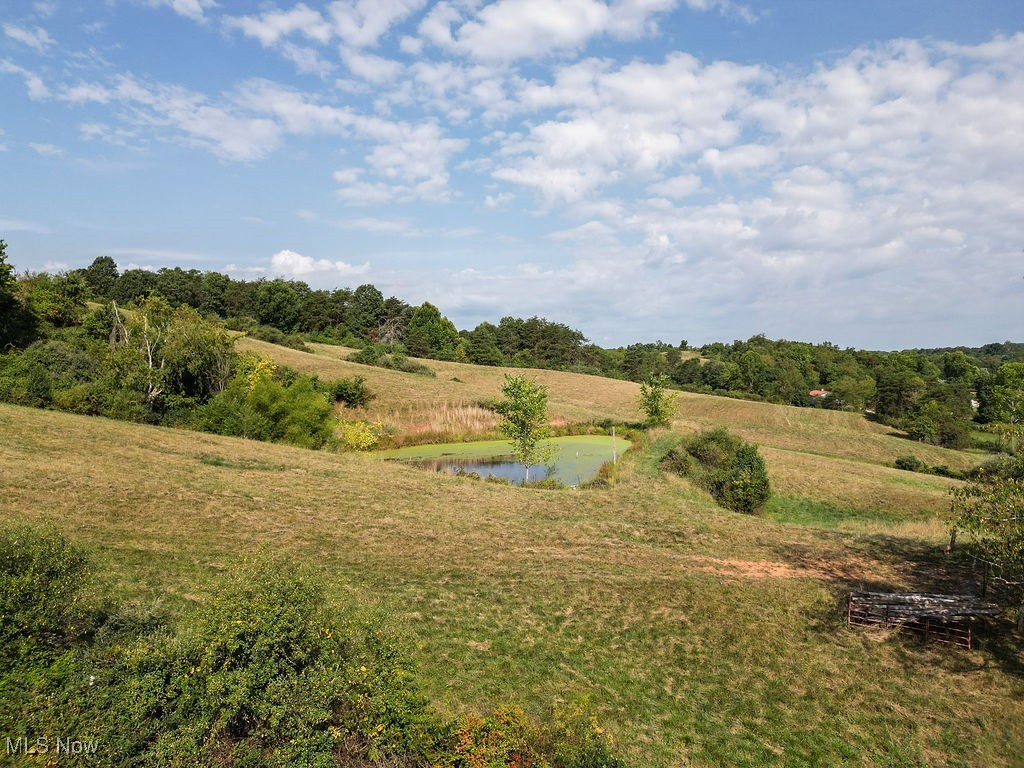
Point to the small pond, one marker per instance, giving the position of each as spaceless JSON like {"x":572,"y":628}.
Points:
{"x":576,"y":459}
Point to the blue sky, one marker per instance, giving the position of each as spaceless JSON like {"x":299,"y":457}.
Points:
{"x":639,"y":169}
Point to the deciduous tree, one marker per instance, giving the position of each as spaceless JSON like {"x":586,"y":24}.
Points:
{"x":524,"y":413}
{"x":993,"y":514}
{"x":658,"y":405}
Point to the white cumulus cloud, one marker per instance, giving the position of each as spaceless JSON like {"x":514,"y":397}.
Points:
{"x":294,"y":265}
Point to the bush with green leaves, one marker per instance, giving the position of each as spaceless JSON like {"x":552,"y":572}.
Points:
{"x":42,"y":578}
{"x":714,"y":448}
{"x":393,"y":358}
{"x":910,"y":463}
{"x":270,"y":409}
{"x":658,"y":404}
{"x":352,"y":392}
{"x":745,"y":486}
{"x":265,"y":672}
{"x":726,"y":466}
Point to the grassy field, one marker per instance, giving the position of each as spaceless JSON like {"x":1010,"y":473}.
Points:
{"x":702,"y":637}
{"x":802,"y":445}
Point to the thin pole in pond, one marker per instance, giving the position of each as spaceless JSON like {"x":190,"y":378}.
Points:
{"x":615,"y":458}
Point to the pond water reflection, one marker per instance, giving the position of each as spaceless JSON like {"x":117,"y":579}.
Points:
{"x":495,"y":466}
{"x":575,"y":459}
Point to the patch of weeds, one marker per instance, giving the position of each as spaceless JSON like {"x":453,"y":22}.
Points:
{"x":819,"y":514}
{"x":548,"y":483}
{"x":244,"y":464}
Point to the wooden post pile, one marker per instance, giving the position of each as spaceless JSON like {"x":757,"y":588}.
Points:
{"x":942,"y":618}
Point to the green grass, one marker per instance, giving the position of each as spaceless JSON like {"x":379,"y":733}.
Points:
{"x":788,"y":509}
{"x":702,"y":637}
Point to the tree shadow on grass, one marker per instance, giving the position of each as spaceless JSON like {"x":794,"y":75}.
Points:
{"x":881,"y":563}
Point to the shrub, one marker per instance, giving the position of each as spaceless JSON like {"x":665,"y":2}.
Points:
{"x":910,"y":464}
{"x":1001,"y":467}
{"x":361,"y":435}
{"x":42,"y":578}
{"x":569,"y":738}
{"x":266,"y":674}
{"x":679,"y":461}
{"x":294,"y":413}
{"x":714,"y":448}
{"x":726,"y":466}
{"x":746,"y":487}
{"x":914,"y":464}
{"x":271,"y":334}
{"x":380,"y":356}
{"x":352,"y":392}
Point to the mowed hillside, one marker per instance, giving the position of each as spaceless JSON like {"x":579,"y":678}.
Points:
{"x":841,"y":459}
{"x":701,"y":637}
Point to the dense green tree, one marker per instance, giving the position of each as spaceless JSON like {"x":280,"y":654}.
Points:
{"x":179,"y":286}
{"x":641,"y":361}
{"x":687,"y":372}
{"x":896,"y":391}
{"x":277,"y":304}
{"x":159,"y":352}
{"x":101,"y":277}
{"x":430,"y":334}
{"x":482,"y":346}
{"x":1002,"y":398}
{"x":850,"y":394}
{"x":365,"y":310}
{"x":58,"y":300}
{"x":133,"y":286}
{"x":722,"y":376}
{"x":958,"y":367}
{"x":213,"y":294}
{"x":16,"y":323}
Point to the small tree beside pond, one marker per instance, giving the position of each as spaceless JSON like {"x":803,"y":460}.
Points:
{"x":524,"y":420}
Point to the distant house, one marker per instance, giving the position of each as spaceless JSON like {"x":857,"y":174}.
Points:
{"x":819,"y":393}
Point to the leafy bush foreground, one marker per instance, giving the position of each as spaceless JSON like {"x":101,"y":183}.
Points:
{"x":266,"y":672}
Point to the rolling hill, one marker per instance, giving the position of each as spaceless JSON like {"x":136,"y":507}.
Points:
{"x":701,"y":637}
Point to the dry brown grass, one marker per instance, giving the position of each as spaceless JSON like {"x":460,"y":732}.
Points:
{"x":417,"y":421}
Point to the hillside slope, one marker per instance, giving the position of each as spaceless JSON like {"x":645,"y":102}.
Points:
{"x":702,"y":637}
{"x":832,"y":457}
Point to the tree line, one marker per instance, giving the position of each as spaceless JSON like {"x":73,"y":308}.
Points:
{"x":934,"y":394}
